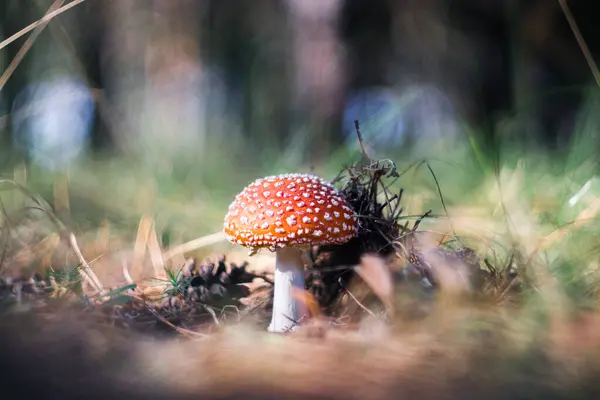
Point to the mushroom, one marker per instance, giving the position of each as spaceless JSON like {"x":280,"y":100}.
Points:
{"x":287,"y":214}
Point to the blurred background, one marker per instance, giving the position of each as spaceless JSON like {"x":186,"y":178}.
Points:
{"x":170,"y":107}
{"x":138,"y":121}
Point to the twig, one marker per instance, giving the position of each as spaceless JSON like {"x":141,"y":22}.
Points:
{"x":437,"y":185}
{"x":58,"y":9}
{"x":212,"y":313}
{"x":28,"y":43}
{"x":182,"y":331}
{"x":502,"y":295}
{"x":421,"y":218}
{"x":265,"y":278}
{"x":222,"y":314}
{"x":361,"y":305}
{"x":580,"y":40}
{"x":194,"y":245}
{"x":361,"y":142}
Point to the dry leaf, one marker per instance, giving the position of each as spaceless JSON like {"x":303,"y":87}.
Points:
{"x":311,"y":304}
{"x":377,"y":275}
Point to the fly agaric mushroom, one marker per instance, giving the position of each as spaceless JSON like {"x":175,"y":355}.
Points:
{"x":286,"y":214}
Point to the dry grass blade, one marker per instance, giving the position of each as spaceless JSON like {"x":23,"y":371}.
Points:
{"x":141,"y":243}
{"x":61,"y":193}
{"x":580,"y":40}
{"x":148,"y":239}
{"x":20,"y":176}
{"x":126,"y":274}
{"x":195,"y":244}
{"x":103,"y":238}
{"x":586,"y":216}
{"x":156,"y":253}
{"x":88,"y":275}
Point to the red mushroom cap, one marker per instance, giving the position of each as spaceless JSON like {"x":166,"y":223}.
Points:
{"x":289,"y":210}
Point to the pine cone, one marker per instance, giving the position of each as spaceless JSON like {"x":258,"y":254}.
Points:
{"x":214,"y":283}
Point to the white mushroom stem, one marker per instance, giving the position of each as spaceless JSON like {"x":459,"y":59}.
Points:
{"x":288,"y":307}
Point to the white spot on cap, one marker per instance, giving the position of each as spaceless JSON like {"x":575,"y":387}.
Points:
{"x":317,"y":233}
